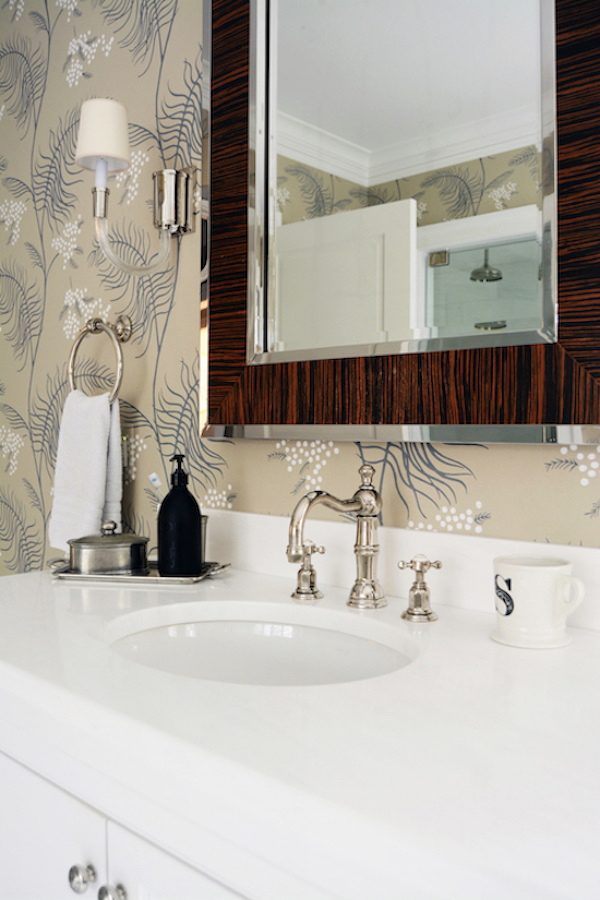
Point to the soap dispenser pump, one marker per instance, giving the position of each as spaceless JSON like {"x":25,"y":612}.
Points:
{"x":179,"y":528}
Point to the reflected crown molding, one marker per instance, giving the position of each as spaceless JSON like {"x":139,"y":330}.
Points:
{"x":313,"y":146}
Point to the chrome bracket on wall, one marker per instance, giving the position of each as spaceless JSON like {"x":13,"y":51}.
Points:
{"x":174,"y":199}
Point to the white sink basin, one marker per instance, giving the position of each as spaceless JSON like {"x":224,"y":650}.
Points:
{"x":260,"y":643}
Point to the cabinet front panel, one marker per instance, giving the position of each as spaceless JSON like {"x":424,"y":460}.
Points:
{"x":43,"y":833}
{"x":148,"y":873}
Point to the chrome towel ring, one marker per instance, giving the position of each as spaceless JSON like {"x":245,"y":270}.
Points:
{"x":118,"y":333}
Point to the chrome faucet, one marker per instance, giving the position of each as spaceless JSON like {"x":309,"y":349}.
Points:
{"x":367,"y":593}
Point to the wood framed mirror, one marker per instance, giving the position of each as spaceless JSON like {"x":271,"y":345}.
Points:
{"x":544,"y":384}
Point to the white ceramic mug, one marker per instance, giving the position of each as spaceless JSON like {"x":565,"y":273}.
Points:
{"x":534,"y":596}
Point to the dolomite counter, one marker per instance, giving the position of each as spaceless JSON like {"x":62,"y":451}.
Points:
{"x":471,"y":773}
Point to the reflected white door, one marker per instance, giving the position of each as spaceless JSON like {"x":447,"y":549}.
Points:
{"x":346,"y":279}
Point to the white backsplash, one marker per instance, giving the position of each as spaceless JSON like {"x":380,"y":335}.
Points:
{"x":257,"y":543}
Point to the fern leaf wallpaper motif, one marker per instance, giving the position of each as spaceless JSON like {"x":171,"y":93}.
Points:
{"x":54,"y":55}
{"x":490,"y":184}
{"x":149,"y":54}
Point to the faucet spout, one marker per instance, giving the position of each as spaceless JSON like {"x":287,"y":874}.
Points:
{"x":303,"y":507}
{"x":366,"y":593}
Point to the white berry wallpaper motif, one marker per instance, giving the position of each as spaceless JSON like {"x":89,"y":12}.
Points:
{"x":546,"y":493}
{"x":53,"y":55}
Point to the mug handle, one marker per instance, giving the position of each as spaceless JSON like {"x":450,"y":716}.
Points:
{"x":572,"y":592}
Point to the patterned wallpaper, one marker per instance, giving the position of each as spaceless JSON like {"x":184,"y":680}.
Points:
{"x":491,"y":184}
{"x":53,"y":55}
{"x":547,"y":493}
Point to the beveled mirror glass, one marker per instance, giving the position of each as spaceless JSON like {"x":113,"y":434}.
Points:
{"x":408,"y":172}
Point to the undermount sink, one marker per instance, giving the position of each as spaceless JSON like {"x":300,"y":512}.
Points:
{"x":246,"y":642}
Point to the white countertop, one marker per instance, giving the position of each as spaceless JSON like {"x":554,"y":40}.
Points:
{"x":472,"y":773}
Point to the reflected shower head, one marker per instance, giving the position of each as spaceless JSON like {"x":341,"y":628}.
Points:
{"x":486,"y":272}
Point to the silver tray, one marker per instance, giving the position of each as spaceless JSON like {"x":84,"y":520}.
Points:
{"x":153,"y":576}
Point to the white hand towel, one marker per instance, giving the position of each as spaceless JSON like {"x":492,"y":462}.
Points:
{"x":114,"y":469}
{"x":87,"y":429}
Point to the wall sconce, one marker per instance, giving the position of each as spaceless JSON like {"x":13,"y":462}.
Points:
{"x":103,"y":147}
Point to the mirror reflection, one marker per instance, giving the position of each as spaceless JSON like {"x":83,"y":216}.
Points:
{"x":494,"y":289}
{"x":405,"y":154}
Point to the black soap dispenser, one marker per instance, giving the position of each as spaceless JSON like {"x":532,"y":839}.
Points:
{"x":179,"y":528}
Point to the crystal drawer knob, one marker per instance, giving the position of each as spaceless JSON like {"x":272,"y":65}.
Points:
{"x":80,"y":877}
{"x":107,"y":892}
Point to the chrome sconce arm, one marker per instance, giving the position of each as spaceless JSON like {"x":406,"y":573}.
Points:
{"x":103,"y":145}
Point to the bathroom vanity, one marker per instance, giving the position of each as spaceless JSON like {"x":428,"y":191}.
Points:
{"x":467,"y":769}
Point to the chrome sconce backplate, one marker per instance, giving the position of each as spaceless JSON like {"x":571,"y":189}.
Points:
{"x":174,"y":199}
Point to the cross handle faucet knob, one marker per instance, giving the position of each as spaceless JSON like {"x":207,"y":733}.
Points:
{"x":419,"y":609}
{"x":420,"y":565}
{"x":308,"y":548}
{"x":307,"y":591}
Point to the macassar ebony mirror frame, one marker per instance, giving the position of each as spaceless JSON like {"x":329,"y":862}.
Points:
{"x":544,"y":384}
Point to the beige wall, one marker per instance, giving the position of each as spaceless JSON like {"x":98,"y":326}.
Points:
{"x":546,"y":493}
{"x":50,"y":284}
{"x":490,"y":184}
